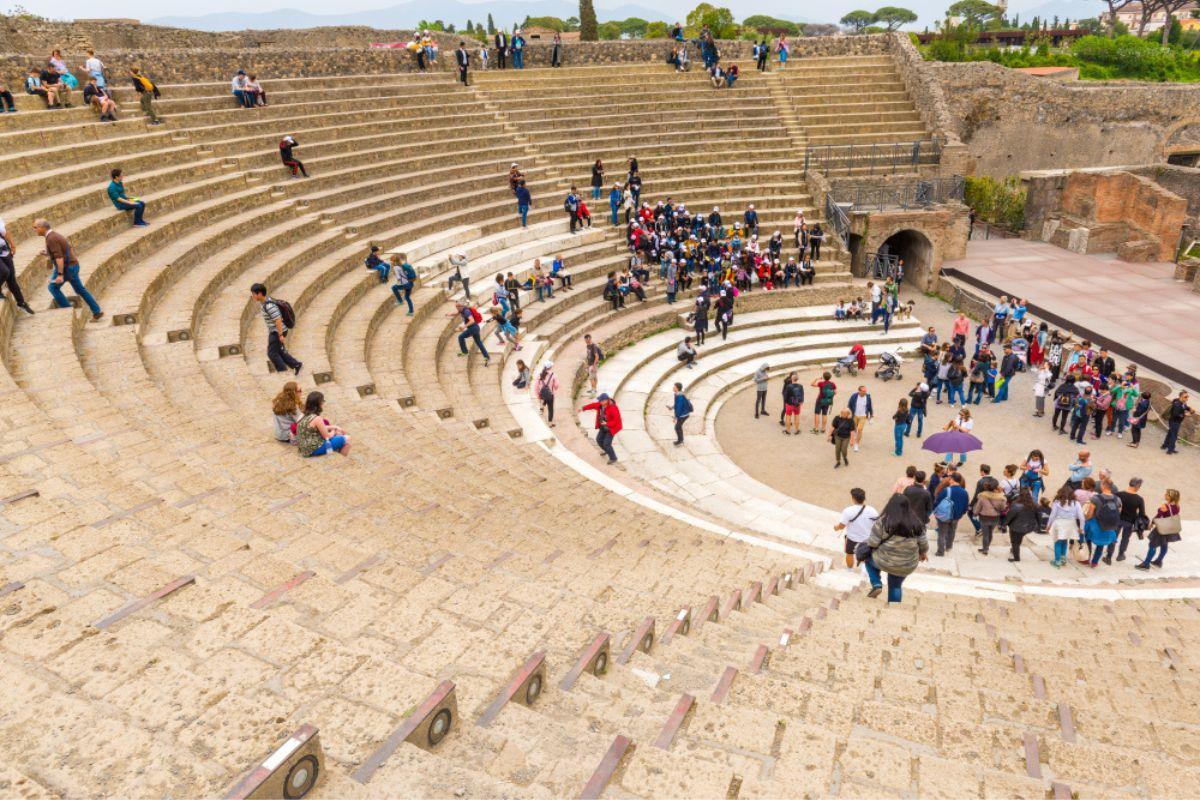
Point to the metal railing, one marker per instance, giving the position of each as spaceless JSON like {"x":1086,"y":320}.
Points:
{"x":917,"y":194}
{"x":882,"y":266}
{"x":879,"y":158}
{"x":838,"y":221}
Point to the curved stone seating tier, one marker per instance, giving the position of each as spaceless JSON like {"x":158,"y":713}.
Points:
{"x":639,"y":378}
{"x":124,"y":93}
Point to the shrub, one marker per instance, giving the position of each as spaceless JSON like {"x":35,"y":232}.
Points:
{"x":1001,"y":202}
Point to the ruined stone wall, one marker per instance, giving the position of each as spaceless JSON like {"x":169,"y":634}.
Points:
{"x":1118,"y":206}
{"x":324,"y":51}
{"x":1012,"y":122}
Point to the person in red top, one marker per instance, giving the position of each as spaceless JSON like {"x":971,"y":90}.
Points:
{"x":608,"y":424}
{"x":861,"y":354}
{"x":961,"y":326}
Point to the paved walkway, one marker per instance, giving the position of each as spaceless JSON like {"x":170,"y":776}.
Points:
{"x":803,"y":468}
{"x":1139,"y":310}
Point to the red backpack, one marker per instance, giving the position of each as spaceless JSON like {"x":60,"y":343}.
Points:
{"x":475,"y":315}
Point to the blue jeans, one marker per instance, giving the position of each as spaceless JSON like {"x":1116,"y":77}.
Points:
{"x":503,"y":305}
{"x":605,"y":440}
{"x":472,"y":332}
{"x":138,"y":209}
{"x":245,"y":99}
{"x":938,"y":384}
{"x":1120,"y":420}
{"x":918,"y":415}
{"x":518,"y":59}
{"x":1002,"y":392}
{"x":898,"y":433}
{"x":613,"y":207}
{"x":950,"y":458}
{"x":335,"y":443}
{"x":1060,"y":550}
{"x":523,"y":210}
{"x":894,"y":581}
{"x":595,"y":192}
{"x":403,"y":295}
{"x":974,"y":390}
{"x":382,"y":271}
{"x":1161,"y":551}
{"x":72,"y":277}
{"x":957,"y":390}
{"x":887,"y":319}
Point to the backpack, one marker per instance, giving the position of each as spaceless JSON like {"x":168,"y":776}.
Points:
{"x":827,"y":394}
{"x":944,"y":510}
{"x":286,"y":312}
{"x":1108,"y":512}
{"x":475,"y":315}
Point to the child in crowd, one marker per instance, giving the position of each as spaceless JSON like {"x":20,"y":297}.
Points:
{"x":839,"y":313}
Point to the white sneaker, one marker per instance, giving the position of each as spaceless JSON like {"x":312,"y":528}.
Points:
{"x":856,"y":448}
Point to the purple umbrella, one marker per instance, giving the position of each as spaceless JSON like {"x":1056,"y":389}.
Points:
{"x":952,"y":442}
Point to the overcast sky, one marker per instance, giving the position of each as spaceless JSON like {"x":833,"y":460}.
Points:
{"x":817,"y":10}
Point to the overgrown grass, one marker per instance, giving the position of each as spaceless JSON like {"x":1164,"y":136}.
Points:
{"x":1097,"y":58}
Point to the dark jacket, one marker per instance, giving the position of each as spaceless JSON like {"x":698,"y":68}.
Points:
{"x":1008,"y":365}
{"x":867,"y":397}
{"x":462,"y":58}
{"x":1021,"y":518}
{"x":920,"y":500}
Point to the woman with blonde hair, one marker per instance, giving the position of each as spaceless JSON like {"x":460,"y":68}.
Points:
{"x":287,"y":407}
{"x":1165,"y":530}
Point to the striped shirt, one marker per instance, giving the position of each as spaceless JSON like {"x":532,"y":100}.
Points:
{"x":271,"y":313}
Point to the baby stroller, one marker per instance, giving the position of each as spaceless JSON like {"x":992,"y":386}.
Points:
{"x":1020,"y":348}
{"x":889,"y":367}
{"x":848,"y":363}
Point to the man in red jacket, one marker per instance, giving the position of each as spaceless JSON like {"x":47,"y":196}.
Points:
{"x":608,"y":424}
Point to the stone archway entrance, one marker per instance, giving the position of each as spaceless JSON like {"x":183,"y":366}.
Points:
{"x":913,"y":249}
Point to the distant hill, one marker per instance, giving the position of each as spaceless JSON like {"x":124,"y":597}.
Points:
{"x":405,"y":15}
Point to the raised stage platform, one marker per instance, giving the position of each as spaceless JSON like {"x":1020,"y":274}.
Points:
{"x":1138,"y":311}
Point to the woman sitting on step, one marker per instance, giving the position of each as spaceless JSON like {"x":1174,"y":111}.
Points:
{"x":315,"y":436}
{"x":287,"y":408}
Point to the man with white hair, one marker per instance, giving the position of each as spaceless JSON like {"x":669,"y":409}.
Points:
{"x":751,"y":219}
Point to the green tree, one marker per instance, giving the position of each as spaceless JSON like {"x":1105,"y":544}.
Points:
{"x":858,"y":20}
{"x":765,"y":23}
{"x":893,"y":17}
{"x":975,"y":13}
{"x":718,"y":20}
{"x":608,"y":31}
{"x":657,"y":30}
{"x":491,"y":26}
{"x":571,"y":24}
{"x":633,"y":27}
{"x":553,"y":23}
{"x":587,"y":21}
